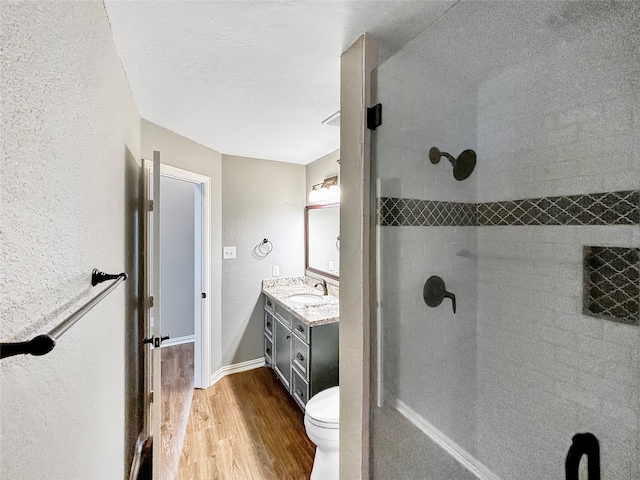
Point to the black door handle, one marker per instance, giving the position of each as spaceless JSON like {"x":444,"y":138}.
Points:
{"x":434,"y":292}
{"x":155,"y":341}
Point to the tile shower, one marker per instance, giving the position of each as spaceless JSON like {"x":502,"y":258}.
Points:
{"x":540,"y":244}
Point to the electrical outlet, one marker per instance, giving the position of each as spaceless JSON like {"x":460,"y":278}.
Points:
{"x":332,"y":266}
{"x":228,"y":252}
{"x":275,"y":271}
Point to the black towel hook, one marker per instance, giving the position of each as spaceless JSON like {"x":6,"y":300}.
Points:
{"x":583,"y":444}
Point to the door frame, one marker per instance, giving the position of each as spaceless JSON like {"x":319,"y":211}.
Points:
{"x":202,"y":325}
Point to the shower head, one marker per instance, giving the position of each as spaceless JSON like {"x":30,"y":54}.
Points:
{"x":462,"y":166}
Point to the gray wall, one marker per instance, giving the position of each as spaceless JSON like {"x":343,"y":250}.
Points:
{"x":262,"y":199}
{"x":180,"y":152}
{"x":177,"y":256}
{"x":70,"y":141}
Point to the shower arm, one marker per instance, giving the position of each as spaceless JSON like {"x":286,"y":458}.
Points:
{"x":435,"y":155}
{"x":450,"y":157}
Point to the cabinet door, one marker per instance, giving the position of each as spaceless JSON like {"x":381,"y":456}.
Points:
{"x":283,"y":353}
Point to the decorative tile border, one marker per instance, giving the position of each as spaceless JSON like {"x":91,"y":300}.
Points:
{"x":612,"y":284}
{"x":407,"y":212}
{"x":612,"y":208}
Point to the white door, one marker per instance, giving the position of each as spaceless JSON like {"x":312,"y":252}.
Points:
{"x":154,"y":331}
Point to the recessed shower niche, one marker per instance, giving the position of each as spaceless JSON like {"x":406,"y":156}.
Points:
{"x":612,"y":284}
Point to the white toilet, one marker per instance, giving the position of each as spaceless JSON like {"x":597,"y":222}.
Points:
{"x":322,"y":422}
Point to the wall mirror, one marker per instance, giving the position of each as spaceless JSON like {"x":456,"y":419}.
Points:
{"x":322,"y":239}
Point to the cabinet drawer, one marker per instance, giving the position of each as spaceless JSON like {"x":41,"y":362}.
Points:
{"x":282,"y":314}
{"x":300,"y":390}
{"x":268,"y":324}
{"x":301,"y":329}
{"x":300,"y":357}
{"x":268,"y":350}
{"x":268,"y":303}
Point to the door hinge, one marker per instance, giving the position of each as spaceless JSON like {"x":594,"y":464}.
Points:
{"x":151,"y":397}
{"x":374,"y":116}
{"x":151,"y":205}
{"x":151,"y":301}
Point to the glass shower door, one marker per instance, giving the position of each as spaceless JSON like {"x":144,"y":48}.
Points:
{"x":507,"y":180}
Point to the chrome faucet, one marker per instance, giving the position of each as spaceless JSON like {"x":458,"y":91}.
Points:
{"x":325,"y":290}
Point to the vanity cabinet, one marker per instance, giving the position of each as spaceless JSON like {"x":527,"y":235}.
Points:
{"x":305,"y":358}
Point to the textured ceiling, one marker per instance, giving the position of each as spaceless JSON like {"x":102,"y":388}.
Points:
{"x":253,"y":78}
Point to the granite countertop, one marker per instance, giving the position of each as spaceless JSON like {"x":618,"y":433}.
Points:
{"x":280,"y":289}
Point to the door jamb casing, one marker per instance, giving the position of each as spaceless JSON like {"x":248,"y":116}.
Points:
{"x":202,"y":330}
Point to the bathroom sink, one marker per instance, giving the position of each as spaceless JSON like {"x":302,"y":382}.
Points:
{"x":307,"y":299}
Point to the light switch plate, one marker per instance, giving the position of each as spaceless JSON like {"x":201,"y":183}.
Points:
{"x":275,"y":271}
{"x":228,"y":252}
{"x":332,"y":266}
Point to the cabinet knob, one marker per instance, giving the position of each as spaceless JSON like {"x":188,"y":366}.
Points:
{"x":300,"y":357}
{"x":300,"y":328}
{"x":288,"y":337}
{"x":268,"y":350}
{"x":299,"y":392}
{"x":269,"y":324}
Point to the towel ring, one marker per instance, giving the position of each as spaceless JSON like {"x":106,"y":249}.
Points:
{"x":264,"y":247}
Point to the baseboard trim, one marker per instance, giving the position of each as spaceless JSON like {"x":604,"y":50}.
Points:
{"x":179,"y":340}
{"x":463,"y":457}
{"x":237,"y":368}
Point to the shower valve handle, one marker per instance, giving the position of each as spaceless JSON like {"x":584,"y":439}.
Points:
{"x":435,"y":291}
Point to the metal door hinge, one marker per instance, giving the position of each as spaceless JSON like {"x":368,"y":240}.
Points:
{"x":374,"y":116}
{"x":151,"y":397}
{"x":151,"y":301}
{"x":151,"y":205}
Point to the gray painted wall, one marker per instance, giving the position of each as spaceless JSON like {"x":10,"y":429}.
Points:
{"x":180,"y":152}
{"x":177,"y":256}
{"x":261,"y":199}
{"x":70,"y":138}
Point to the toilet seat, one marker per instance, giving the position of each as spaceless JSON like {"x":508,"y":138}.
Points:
{"x":323,"y":410}
{"x":319,"y":424}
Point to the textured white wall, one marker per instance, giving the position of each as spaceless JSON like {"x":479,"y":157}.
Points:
{"x":356,"y":65}
{"x":262,"y":199}
{"x":177,"y":256}
{"x":69,"y":125}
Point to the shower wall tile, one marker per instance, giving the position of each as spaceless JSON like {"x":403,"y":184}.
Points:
{"x":551,"y":134}
{"x":558,"y":128}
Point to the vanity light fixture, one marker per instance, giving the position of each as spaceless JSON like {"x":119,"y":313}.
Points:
{"x":325,"y":191}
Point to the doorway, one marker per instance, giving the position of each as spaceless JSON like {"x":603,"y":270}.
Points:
{"x":184,"y":248}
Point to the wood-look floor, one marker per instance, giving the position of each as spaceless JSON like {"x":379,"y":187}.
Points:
{"x":246,"y":426}
{"x":177,"y":395}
